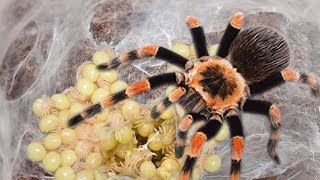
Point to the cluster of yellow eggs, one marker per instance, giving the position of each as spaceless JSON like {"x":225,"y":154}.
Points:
{"x":120,"y":141}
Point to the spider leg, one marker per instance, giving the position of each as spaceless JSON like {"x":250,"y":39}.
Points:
{"x":237,"y":142}
{"x":230,"y":34}
{"x":198,"y":36}
{"x":132,"y":90}
{"x":204,"y":133}
{"x":127,"y":58}
{"x":184,"y":126}
{"x":283,"y":76}
{"x":168,"y":101}
{"x":268,"y":109}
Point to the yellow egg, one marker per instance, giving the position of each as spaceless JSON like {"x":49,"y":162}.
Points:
{"x":69,"y":136}
{"x":181,"y":48}
{"x":48,"y":123}
{"x":94,"y":159}
{"x":36,"y":151}
{"x":130,"y":109}
{"x":52,"y":141}
{"x":51,"y":161}
{"x":146,"y":129}
{"x":193,"y":53}
{"x":223,"y":133}
{"x":196,"y":174}
{"x":103,"y":115}
{"x":61,"y":101}
{"x":99,"y":94}
{"x":100,"y":57}
{"x":164,"y":173}
{"x":213,"y":50}
{"x":110,"y":76}
{"x":68,"y":157}
{"x":86,"y":174}
{"x":118,"y":86}
{"x":108,"y":139}
{"x":76,"y":108}
{"x":168,"y":113}
{"x":125,"y":135}
{"x":65,"y":173}
{"x":212,"y":163}
{"x":90,"y":72}
{"x":148,"y":169}
{"x":86,"y":87}
{"x":171,"y":165}
{"x":156,"y":143}
{"x":42,"y":106}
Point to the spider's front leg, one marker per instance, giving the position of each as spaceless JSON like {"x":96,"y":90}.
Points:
{"x":184,"y":126}
{"x":132,"y":90}
{"x":230,"y":34}
{"x":268,"y":109}
{"x":237,"y":142}
{"x":204,"y":133}
{"x":198,"y":36}
{"x":168,"y":101}
{"x":127,"y":58}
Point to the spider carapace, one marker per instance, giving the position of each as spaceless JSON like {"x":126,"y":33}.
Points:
{"x":216,"y":89}
{"x":219,"y":84}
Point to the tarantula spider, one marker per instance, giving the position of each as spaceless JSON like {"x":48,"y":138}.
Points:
{"x":215,"y":89}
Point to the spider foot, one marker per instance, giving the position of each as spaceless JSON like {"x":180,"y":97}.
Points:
{"x":272,"y":151}
{"x":87,"y":113}
{"x":186,"y":169}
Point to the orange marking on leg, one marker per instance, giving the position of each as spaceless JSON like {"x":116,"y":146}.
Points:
{"x":275,"y":115}
{"x":185,"y":123}
{"x":147,"y":51}
{"x":312,"y":80}
{"x":235,"y":176}
{"x":177,"y":94}
{"x":275,"y":135}
{"x":185,"y":176}
{"x":123,"y":57}
{"x":237,"y":20}
{"x":290,"y":75}
{"x":137,"y":88}
{"x":106,"y":102}
{"x":237,"y":148}
{"x":197,"y":143}
{"x":192,"y":22}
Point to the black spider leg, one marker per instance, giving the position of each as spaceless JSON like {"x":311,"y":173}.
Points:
{"x":203,"y":134}
{"x":198,"y":36}
{"x":232,"y":30}
{"x":132,"y":90}
{"x":270,"y":110}
{"x":183,"y":128}
{"x":284,"y":76}
{"x":237,"y":141}
{"x":162,"y":53}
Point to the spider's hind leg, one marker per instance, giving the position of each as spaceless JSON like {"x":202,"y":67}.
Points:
{"x":184,"y":126}
{"x":268,"y":109}
{"x":204,"y":133}
{"x":237,"y":142}
{"x":284,"y":76}
{"x":132,"y":90}
{"x":230,"y":34}
{"x":127,"y":58}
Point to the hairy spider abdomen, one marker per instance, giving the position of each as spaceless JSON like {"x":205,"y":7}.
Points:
{"x":258,"y":53}
{"x":217,"y":82}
